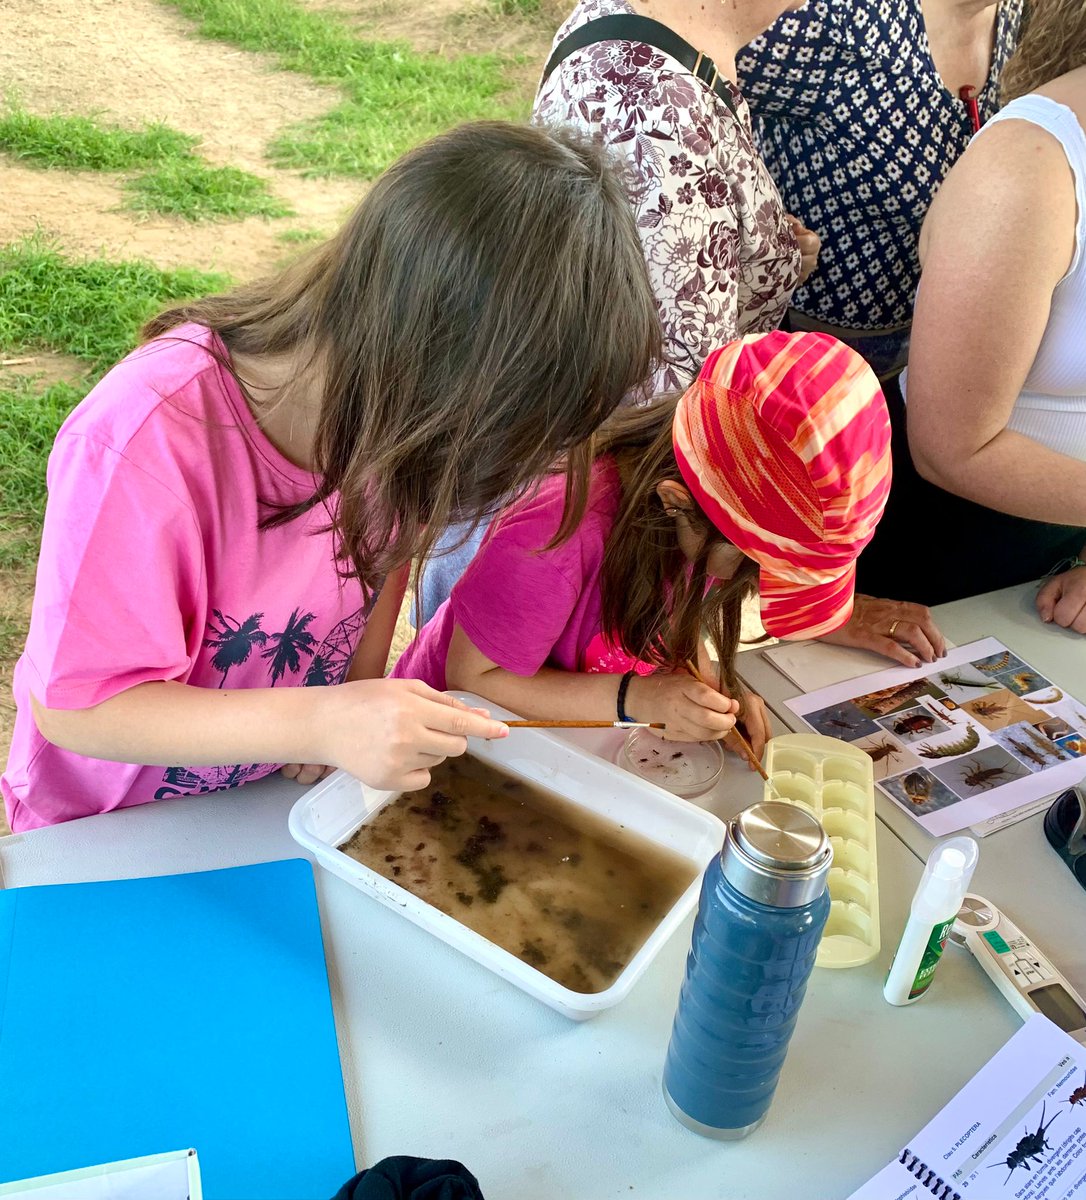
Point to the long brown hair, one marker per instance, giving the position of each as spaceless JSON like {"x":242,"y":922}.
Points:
{"x":656,"y":604}
{"x":483,"y":310}
{"x":1053,"y":42}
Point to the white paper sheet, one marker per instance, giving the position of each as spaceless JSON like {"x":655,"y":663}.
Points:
{"x":812,"y":665}
{"x":174,"y":1175}
{"x":976,"y":737}
{"x":976,"y":1147}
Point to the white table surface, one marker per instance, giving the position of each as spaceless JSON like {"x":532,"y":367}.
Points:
{"x":443,"y":1059}
{"x":1017,"y":870}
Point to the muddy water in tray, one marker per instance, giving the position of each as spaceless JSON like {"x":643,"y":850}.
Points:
{"x":571,"y":894}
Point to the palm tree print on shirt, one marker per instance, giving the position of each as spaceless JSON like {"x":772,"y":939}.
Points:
{"x":233,"y":641}
{"x":332,"y":659}
{"x":290,"y":645}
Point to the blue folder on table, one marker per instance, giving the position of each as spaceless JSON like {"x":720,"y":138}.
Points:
{"x":143,"y":1015}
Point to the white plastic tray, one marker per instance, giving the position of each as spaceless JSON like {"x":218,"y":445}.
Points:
{"x":331,"y":812}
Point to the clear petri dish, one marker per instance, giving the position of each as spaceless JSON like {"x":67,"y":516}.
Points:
{"x":684,"y":769}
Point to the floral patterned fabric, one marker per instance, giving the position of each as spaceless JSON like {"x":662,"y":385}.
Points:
{"x":721,"y":254}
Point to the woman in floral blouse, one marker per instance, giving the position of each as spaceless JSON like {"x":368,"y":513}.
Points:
{"x":723,"y":255}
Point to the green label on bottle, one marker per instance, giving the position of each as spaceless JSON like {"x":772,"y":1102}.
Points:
{"x":933,"y":951}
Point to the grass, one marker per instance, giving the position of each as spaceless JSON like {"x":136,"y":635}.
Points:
{"x":517,"y":8}
{"x":299,"y":237}
{"x":12,"y":637}
{"x":29,"y":420}
{"x":191,"y":189}
{"x":173,"y":181}
{"x":76,"y":143}
{"x":90,"y":308}
{"x":394,"y":97}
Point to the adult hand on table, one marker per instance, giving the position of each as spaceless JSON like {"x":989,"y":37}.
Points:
{"x":1062,"y":600}
{"x":809,"y":245}
{"x":894,"y":628}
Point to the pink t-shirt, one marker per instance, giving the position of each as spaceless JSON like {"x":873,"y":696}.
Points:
{"x":153,"y":567}
{"x":525,"y":607}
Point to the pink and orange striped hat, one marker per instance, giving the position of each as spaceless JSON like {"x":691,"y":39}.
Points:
{"x":784,"y":441}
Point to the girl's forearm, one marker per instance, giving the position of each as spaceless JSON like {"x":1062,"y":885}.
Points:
{"x":548,"y":695}
{"x":1012,"y":474}
{"x":168,"y":724}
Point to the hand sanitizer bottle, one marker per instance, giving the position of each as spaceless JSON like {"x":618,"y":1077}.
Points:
{"x":935,"y":905}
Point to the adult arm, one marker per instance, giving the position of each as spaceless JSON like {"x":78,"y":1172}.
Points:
{"x":388,"y":733}
{"x":997,"y":240}
{"x":691,"y":710}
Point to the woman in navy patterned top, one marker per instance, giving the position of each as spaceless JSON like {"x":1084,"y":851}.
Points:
{"x":857,"y":114}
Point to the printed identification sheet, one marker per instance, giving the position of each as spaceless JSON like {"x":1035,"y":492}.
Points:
{"x":979,"y":735}
{"x":171,"y":1176}
{"x":1016,"y":1131}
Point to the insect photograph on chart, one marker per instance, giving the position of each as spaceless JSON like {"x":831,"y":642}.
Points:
{"x":919,"y":792}
{"x":844,"y":721}
{"x":979,"y":772}
{"x":996,"y":709}
{"x":913,"y":724}
{"x":978,"y":736}
{"x":888,"y":754}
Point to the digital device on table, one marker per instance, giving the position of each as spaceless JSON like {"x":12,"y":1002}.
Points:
{"x":1028,"y":980}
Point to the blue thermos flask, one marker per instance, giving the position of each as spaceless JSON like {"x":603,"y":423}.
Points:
{"x":763,"y":906}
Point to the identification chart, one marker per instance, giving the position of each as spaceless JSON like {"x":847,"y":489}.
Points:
{"x":974,"y":736}
{"x":1016,"y":1131}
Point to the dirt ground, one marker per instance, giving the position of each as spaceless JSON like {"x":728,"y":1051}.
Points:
{"x":135,"y":61}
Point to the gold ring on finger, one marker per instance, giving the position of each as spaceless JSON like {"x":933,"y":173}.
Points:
{"x":894,"y":626}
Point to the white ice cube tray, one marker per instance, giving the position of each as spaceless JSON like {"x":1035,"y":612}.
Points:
{"x":330,"y":813}
{"x":834,"y":781}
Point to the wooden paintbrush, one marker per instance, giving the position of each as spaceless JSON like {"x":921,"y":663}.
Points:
{"x":585,"y":724}
{"x":748,"y":750}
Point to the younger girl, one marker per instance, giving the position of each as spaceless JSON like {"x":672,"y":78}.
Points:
{"x":773,"y":468}
{"x":226,"y":505}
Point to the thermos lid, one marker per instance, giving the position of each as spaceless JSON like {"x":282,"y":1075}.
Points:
{"x":777,"y":853}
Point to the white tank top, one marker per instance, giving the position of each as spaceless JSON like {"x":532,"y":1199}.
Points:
{"x":1051,"y":408}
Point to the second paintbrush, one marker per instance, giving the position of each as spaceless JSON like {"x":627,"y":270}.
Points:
{"x":748,"y":750}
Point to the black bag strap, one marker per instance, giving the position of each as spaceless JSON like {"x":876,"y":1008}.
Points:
{"x":630,"y":27}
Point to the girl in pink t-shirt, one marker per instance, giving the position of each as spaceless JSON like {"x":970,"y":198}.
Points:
{"x":771,"y":471}
{"x":233,"y":509}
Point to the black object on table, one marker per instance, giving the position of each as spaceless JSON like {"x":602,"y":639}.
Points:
{"x":1065,"y":828}
{"x":402,"y":1177}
